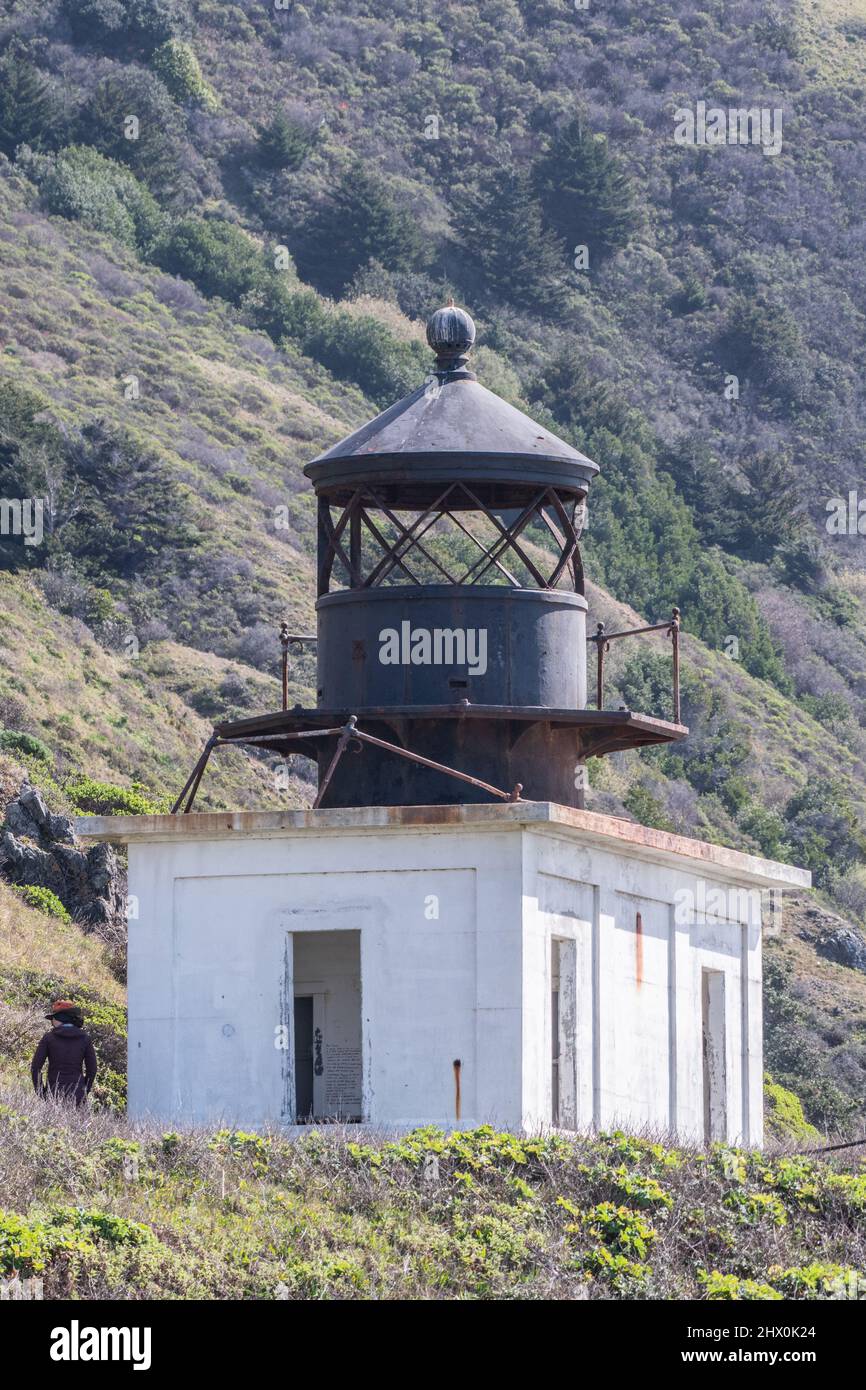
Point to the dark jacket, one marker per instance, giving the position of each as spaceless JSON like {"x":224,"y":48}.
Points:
{"x":65,"y":1049}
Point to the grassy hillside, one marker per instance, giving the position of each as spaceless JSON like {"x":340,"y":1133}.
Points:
{"x":833,"y":36}
{"x":192,"y":310}
{"x":121,"y":720}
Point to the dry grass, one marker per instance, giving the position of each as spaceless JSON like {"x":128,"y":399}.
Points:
{"x":117,"y":719}
{"x":824,"y":26}
{"x":366,"y":306}
{"x":31,"y":940}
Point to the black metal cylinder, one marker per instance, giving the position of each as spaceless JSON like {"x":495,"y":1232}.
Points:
{"x":439,"y":644}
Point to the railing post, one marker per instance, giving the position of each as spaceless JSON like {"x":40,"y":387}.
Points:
{"x":599,"y":680}
{"x":675,"y":639}
{"x":284,"y":643}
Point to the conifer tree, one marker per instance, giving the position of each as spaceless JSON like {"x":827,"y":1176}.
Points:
{"x":503,"y":236}
{"x":772,"y":514}
{"x":130,"y":117}
{"x":585,"y":193}
{"x":360,"y":223}
{"x":26,"y":108}
{"x":284,"y":143}
{"x":576,"y":397}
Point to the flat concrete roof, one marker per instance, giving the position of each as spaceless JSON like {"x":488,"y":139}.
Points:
{"x":583,"y":826}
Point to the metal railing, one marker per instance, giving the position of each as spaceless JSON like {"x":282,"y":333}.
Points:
{"x":603,"y":639}
{"x":288,"y":639}
{"x":349,"y":733}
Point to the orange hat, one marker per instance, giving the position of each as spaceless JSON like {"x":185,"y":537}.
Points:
{"x":60,"y":1006}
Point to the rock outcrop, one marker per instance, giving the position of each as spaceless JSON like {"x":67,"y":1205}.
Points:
{"x":38,"y":849}
{"x":831,"y":935}
{"x":846,"y":946}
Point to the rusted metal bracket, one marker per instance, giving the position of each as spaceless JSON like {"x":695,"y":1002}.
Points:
{"x":192,"y":782}
{"x":348,"y":733}
{"x":603,"y":640}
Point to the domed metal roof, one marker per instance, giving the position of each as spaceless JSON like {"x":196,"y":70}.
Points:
{"x":452,"y":420}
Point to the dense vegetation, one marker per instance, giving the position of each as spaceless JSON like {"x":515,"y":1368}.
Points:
{"x":478,"y":1214}
{"x":221,"y":225}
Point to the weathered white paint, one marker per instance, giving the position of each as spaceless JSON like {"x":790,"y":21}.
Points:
{"x":457,"y":910}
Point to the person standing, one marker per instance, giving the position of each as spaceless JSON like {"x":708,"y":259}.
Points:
{"x":69,"y":1053}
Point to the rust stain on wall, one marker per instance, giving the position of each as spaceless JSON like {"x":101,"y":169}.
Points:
{"x":638,"y":949}
{"x":457,"y":1065}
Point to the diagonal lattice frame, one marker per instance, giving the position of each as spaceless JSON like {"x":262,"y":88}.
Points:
{"x":368,"y":517}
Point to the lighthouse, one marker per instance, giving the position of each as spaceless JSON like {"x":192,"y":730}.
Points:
{"x":448,"y":935}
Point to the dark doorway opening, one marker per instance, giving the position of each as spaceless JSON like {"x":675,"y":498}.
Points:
{"x":303,"y":1058}
{"x":326,"y":1027}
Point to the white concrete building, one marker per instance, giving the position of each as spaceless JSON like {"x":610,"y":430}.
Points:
{"x":524,"y":964}
{"x":411,"y":953}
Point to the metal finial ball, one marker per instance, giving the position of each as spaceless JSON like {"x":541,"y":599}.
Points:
{"x":450,"y":331}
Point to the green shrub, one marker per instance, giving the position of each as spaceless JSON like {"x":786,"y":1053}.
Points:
{"x":360,"y":349}
{"x":646,"y":809}
{"x":125,"y":513}
{"x":45,"y":901}
{"x":218,"y":257}
{"x":625,"y":1276}
{"x":819,"y":1281}
{"x":784,"y":1113}
{"x":27,"y":744}
{"x":624,"y":1231}
{"x":27,"y":1244}
{"x":848,"y":1190}
{"x":81,"y":184}
{"x":117,"y":1151}
{"x":797,"y":1178}
{"x":25,"y":1247}
{"x":483,"y":1148}
{"x":105,"y":799}
{"x":239,"y":1144}
{"x":717,"y":605}
{"x":631,"y":1149}
{"x":125,"y":25}
{"x":177,"y":66}
{"x":100,"y":1225}
{"x":832,"y":710}
{"x":767,"y":827}
{"x":717,"y":1286}
{"x":824,"y":829}
{"x":753,"y":1207}
{"x":638,"y":1189}
{"x":239,"y":482}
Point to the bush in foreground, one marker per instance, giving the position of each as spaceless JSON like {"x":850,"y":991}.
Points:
{"x":228,"y":1214}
